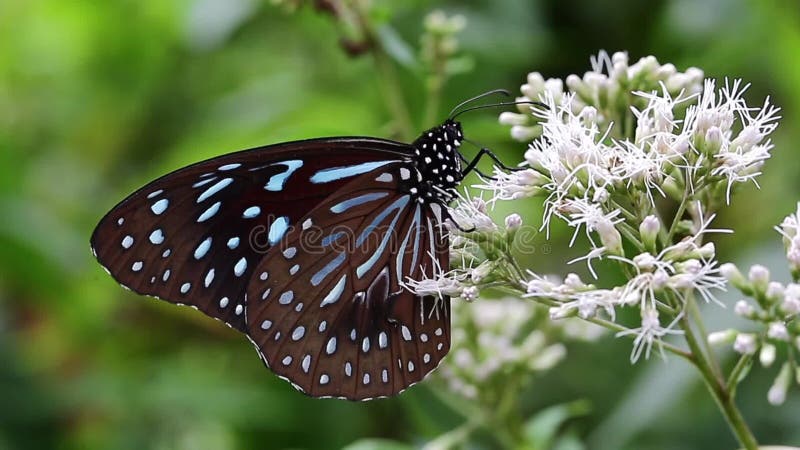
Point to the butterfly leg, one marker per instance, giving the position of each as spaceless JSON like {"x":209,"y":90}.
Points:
{"x":485,"y":151}
{"x":447,"y":216}
{"x":475,"y":169}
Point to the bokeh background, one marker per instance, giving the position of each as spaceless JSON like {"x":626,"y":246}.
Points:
{"x":97,"y":98}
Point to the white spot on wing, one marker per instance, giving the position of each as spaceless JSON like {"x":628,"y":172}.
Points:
{"x":209,"y":278}
{"x":210,"y":212}
{"x":160,"y":206}
{"x":157,"y":237}
{"x":203,"y":248}
{"x":240,"y":267}
{"x":330,"y":348}
{"x":127,"y":241}
{"x":213,"y":189}
{"x":251,"y":212}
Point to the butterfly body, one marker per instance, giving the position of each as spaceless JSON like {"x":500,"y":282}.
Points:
{"x":305,"y":247}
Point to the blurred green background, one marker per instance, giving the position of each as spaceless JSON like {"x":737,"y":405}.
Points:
{"x":97,"y":98}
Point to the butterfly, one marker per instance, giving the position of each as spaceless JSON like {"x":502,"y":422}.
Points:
{"x":305,"y":247}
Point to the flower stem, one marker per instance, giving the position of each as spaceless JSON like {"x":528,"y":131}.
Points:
{"x":718,"y":389}
{"x":733,"y":378}
{"x":694,"y":312}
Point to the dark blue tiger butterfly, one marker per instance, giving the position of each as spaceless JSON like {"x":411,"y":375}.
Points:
{"x":305,"y":247}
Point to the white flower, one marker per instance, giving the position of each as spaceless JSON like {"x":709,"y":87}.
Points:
{"x":651,"y":332}
{"x":767,"y":355}
{"x":649,"y":229}
{"x":745,"y":344}
{"x":515,"y":184}
{"x":778,"y":331}
{"x":738,"y":157}
{"x":791,"y":239}
{"x":469,"y":293}
{"x":743,"y":309}
{"x":469,"y":213}
{"x":722,"y":337}
{"x":591,"y":216}
{"x":777,"y":393}
{"x":513,"y":221}
{"x":759,"y":276}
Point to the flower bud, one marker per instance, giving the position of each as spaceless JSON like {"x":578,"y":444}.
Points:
{"x":645,"y":261}
{"x":759,"y":276}
{"x":707,"y":251}
{"x":469,"y":293}
{"x":713,"y":139}
{"x":778,"y":331}
{"x":745,"y":343}
{"x":774,"y":291}
{"x":573,"y":281}
{"x":510,"y":118}
{"x":732,"y":274}
{"x":513,"y":222}
{"x":610,"y":237}
{"x":767,"y":355}
{"x":649,"y":229}
{"x":777,"y":393}
{"x":722,"y":337}
{"x":744,"y":309}
{"x":600,"y":195}
{"x":521,"y":133}
{"x":559,"y":313}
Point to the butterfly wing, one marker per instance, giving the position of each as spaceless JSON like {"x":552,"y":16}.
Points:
{"x":328,"y":312}
{"x":194,"y":236}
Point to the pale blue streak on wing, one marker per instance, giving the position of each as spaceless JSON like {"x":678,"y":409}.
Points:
{"x":330,"y":267}
{"x":337,"y":173}
{"x":399,"y":203}
{"x":366,"y":266}
{"x":278,"y":181}
{"x":216,"y":187}
{"x":414,"y":228}
{"x":335,"y":293}
{"x":331,"y":238}
{"x":278,"y":229}
{"x":355,"y":201}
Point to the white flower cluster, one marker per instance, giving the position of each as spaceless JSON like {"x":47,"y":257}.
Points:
{"x":674,"y":270}
{"x":605,"y":150}
{"x":610,"y":79}
{"x":790,"y":230}
{"x":774,"y":309}
{"x":496,"y":340}
{"x":678,"y":125}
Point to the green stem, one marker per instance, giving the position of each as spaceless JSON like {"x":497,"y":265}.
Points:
{"x":630,"y":234}
{"x":697,"y":318}
{"x":678,"y":215}
{"x":718,"y":389}
{"x":733,"y":378}
{"x":394,"y":96}
{"x":386,"y":71}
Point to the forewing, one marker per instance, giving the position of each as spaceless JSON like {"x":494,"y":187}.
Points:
{"x":329,"y":313}
{"x":195,"y":235}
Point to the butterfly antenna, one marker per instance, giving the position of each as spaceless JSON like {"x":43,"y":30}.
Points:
{"x":496,"y":105}
{"x":478,"y":97}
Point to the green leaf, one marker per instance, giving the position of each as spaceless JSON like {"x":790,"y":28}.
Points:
{"x":542,"y":428}
{"x":569,"y":442}
{"x":377,"y":444}
{"x":462,"y":64}
{"x":397,"y":48}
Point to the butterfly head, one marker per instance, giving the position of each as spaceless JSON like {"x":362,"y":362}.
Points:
{"x":437,"y":159}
